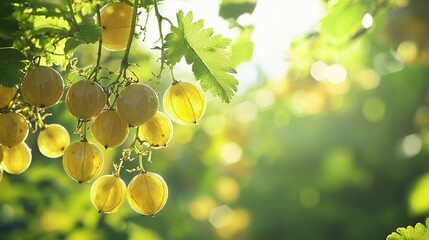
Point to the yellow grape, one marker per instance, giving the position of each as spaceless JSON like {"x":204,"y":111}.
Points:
{"x":53,"y":140}
{"x":13,"y":129}
{"x":147,"y":193}
{"x":156,"y":132}
{"x":85,"y":99}
{"x":108,"y":193}
{"x":109,"y":129}
{"x":42,"y":86}
{"x":137,"y":104}
{"x":116,"y":24}
{"x":16,"y":159}
{"x":184,"y":102}
{"x":82,"y":161}
{"x":6,"y":94}
{"x":1,"y":153}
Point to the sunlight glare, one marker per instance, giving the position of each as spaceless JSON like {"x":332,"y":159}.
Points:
{"x":367,"y":20}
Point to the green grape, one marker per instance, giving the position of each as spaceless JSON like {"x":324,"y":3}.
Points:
{"x":156,"y":132}
{"x":16,"y":159}
{"x":116,"y":24}
{"x":108,"y":193}
{"x":82,"y":161}
{"x":42,"y":86}
{"x":6,"y":94}
{"x":85,"y":99}
{"x":13,"y":129}
{"x":137,"y":104}
{"x":53,"y":140}
{"x":109,"y":129}
{"x":147,"y":193}
{"x":184,"y":102}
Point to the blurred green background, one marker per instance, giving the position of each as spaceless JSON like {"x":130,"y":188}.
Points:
{"x":336,"y":146}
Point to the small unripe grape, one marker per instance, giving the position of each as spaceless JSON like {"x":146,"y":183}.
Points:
{"x":6,"y":94}
{"x":109,"y":129}
{"x":156,"y":132}
{"x":82,"y":161}
{"x":42,"y":86}
{"x":147,"y":193}
{"x":85,"y":99}
{"x":116,"y":24}
{"x":108,"y":193}
{"x":16,"y":159}
{"x":13,"y":129}
{"x":53,"y":140}
{"x":137,"y":104}
{"x":184,"y":102}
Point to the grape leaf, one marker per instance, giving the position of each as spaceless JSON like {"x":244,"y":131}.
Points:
{"x":206,"y":52}
{"x":419,"y":232}
{"x":12,"y":66}
{"x":89,"y":31}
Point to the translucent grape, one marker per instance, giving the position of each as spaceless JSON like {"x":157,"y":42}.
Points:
{"x":16,"y":159}
{"x":82,"y":161}
{"x":109,"y":129}
{"x":156,"y":132}
{"x":137,"y":104}
{"x":108,"y":193}
{"x":116,"y":24}
{"x":42,"y":86}
{"x":6,"y":94}
{"x":85,"y":99}
{"x":184,"y":102}
{"x":53,"y":140}
{"x":13,"y":129}
{"x":147,"y":193}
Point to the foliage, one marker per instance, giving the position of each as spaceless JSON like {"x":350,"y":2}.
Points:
{"x":419,"y":232}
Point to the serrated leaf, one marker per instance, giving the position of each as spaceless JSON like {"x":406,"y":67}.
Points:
{"x":11,"y":66}
{"x":419,"y":232}
{"x":206,"y":52}
{"x":89,"y":31}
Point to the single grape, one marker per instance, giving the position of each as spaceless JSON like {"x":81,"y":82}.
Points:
{"x":116,"y":24}
{"x":137,"y":104}
{"x":109,"y":129}
{"x":184,"y":102}
{"x":156,"y":132}
{"x":82,"y":161}
{"x":42,"y":86}
{"x":13,"y":129}
{"x":147,"y":193}
{"x":85,"y":99}
{"x":6,"y":94}
{"x":16,"y":159}
{"x":108,"y":193}
{"x":53,"y":140}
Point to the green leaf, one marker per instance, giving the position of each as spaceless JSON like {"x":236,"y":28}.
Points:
{"x":343,"y":19}
{"x":242,"y":48}
{"x":236,"y":8}
{"x":206,"y":52}
{"x":71,"y":44}
{"x":11,"y":66}
{"x":419,"y":232}
{"x":89,"y":31}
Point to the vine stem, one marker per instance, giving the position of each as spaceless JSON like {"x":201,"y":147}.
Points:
{"x":124,"y":63}
{"x":100,"y":44}
{"x":72,"y":13}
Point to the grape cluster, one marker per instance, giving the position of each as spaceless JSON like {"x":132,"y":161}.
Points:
{"x":109,"y":112}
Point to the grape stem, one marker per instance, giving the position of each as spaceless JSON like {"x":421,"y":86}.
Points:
{"x":100,"y":44}
{"x":160,"y":18}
